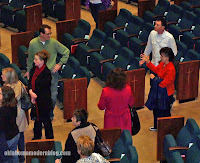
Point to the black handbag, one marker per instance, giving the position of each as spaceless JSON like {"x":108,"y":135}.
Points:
{"x":25,"y":99}
{"x":135,"y":121}
{"x":103,"y":146}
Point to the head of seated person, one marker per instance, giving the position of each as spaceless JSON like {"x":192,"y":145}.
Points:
{"x":79,"y":117}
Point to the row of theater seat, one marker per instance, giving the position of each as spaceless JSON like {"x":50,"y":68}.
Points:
{"x":12,"y":13}
{"x":187,"y":143}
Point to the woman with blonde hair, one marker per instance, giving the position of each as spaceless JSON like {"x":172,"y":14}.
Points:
{"x":10,"y":78}
{"x":85,"y":147}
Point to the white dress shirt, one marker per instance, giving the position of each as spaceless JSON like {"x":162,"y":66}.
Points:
{"x":156,"y":42}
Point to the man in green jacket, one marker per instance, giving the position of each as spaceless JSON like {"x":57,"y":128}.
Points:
{"x":44,"y":41}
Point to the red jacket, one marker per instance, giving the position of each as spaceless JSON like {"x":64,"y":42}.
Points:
{"x":167,"y":73}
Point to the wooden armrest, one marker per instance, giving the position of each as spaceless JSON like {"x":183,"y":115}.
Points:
{"x":55,"y":0}
{"x":184,"y":30}
{"x":64,"y":79}
{"x":39,"y":140}
{"x":157,"y":16}
{"x":2,"y":4}
{"x":118,"y":28}
{"x":107,"y":60}
{"x":77,"y":39}
{"x":81,"y":40}
{"x":26,"y":53}
{"x":196,"y":38}
{"x":196,"y":6}
{"x":17,"y":9}
{"x":114,"y":159}
{"x":178,"y":148}
{"x":171,"y":23}
{"x":133,"y":35}
{"x":142,"y":44}
{"x":94,"y":50}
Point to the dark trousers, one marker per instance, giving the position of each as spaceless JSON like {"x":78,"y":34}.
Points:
{"x":162,"y":113}
{"x":95,"y":8}
{"x":47,"y":126}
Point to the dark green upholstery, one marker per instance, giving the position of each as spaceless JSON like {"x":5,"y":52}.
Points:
{"x":187,"y":21}
{"x":135,"y":24}
{"x":197,"y":46}
{"x":4,"y":61}
{"x":135,"y":42}
{"x":97,"y":39}
{"x":122,"y":144}
{"x":191,"y":55}
{"x":35,"y":160}
{"x":22,"y":56}
{"x":186,"y":135}
{"x":125,"y":58}
{"x":119,"y":21}
{"x":161,"y":7}
{"x":59,"y":10}
{"x":131,"y":155}
{"x":182,"y":48}
{"x":109,"y":51}
{"x":187,"y":5}
{"x":82,"y":29}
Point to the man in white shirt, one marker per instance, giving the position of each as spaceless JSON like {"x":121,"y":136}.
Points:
{"x":159,"y":38}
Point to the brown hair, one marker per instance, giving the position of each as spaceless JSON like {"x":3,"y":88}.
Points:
{"x":9,"y":99}
{"x":42,"y":28}
{"x":85,"y":145}
{"x":116,"y":79}
{"x":11,"y":75}
{"x":81,"y":115}
{"x":43,"y":55}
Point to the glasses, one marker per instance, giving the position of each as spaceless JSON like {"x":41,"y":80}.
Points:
{"x":48,"y":34}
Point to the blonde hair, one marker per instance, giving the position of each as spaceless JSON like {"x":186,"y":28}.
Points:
{"x":85,"y":145}
{"x":11,"y":75}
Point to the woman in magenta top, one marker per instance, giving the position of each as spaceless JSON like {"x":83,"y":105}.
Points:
{"x":115,"y":99}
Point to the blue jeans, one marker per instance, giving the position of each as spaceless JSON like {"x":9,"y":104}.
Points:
{"x":21,"y":147}
{"x":54,"y":91}
{"x":12,"y":145}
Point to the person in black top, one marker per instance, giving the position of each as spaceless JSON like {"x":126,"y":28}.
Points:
{"x":8,"y":114}
{"x":39,"y":85}
{"x":83,"y":127}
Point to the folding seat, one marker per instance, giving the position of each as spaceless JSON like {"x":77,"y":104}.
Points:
{"x":22,"y":56}
{"x":185,"y":136}
{"x":82,"y":29}
{"x":59,"y":10}
{"x":120,"y":21}
{"x":137,"y":44}
{"x":72,"y":70}
{"x":48,"y":7}
{"x":135,"y":24}
{"x":190,"y":5}
{"x":190,"y":37}
{"x":191,"y":156}
{"x":121,"y":144}
{"x":123,"y":60}
{"x":18,"y":71}
{"x":191,"y":55}
{"x":182,"y":48}
{"x":109,"y":51}
{"x":173,"y":15}
{"x":82,"y":52}
{"x":186,"y":22}
{"x":158,"y":11}
{"x":197,"y":46}
{"x":130,"y":156}
{"x":4,"y":61}
{"x":8,"y":12}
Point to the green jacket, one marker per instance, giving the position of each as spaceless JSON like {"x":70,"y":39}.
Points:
{"x":52,"y":46}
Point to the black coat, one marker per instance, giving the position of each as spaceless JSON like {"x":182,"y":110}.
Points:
{"x":43,"y":91}
{"x":8,"y":122}
{"x":158,"y":97}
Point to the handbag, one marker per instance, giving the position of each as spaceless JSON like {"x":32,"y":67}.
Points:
{"x":25,"y":99}
{"x":135,"y":121}
{"x":103,"y":146}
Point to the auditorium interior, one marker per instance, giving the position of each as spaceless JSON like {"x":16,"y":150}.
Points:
{"x":145,"y":141}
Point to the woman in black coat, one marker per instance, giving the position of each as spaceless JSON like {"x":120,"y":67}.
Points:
{"x":39,"y":89}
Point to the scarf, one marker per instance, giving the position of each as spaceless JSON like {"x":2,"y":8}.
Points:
{"x":35,"y":75}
